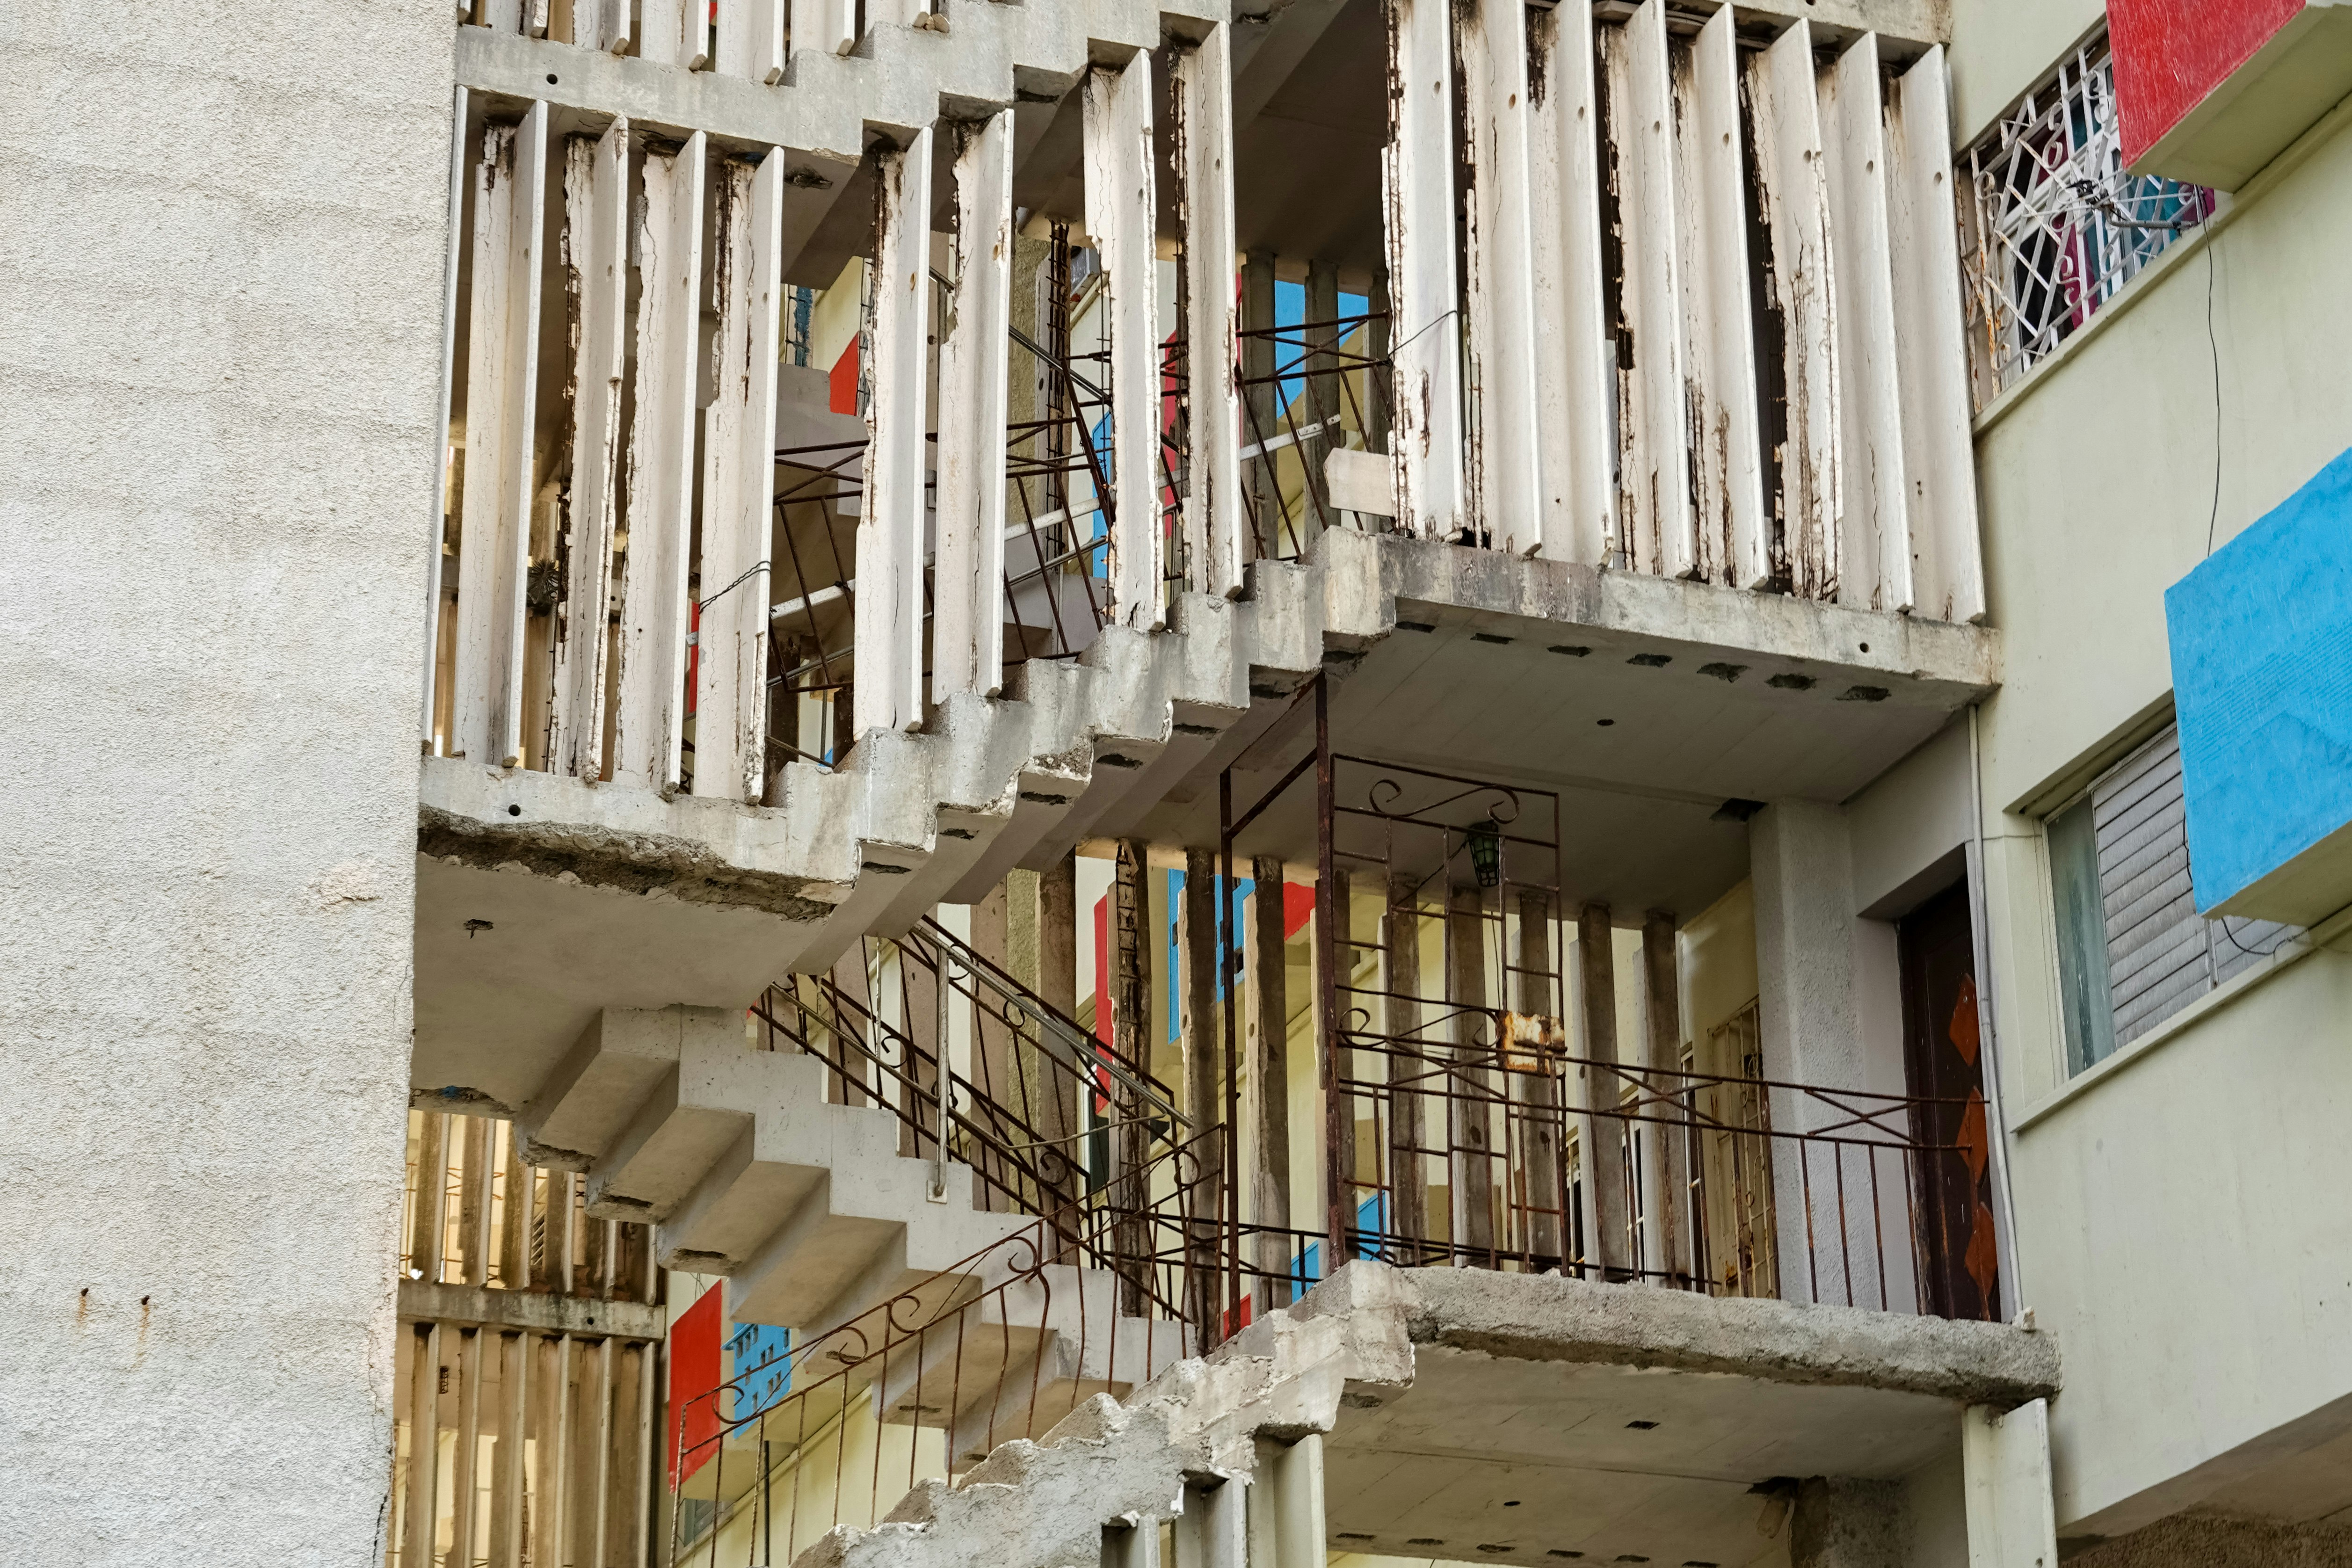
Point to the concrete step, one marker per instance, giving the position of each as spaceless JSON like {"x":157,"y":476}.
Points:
{"x":1019,"y":1358}
{"x":744,"y":1168}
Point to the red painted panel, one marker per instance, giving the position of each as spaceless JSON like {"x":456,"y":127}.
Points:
{"x":694,"y":1370}
{"x":842,"y":387}
{"x":1297,"y":903}
{"x":2171,"y":54}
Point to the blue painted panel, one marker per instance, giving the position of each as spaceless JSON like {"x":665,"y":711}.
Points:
{"x":763,"y":1369}
{"x":2261,"y":677}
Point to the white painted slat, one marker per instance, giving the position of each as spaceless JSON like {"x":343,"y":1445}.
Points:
{"x":1653,"y":467}
{"x":750,"y":42}
{"x":1931,"y":347}
{"x":419,"y":1506}
{"x":1718,"y":316}
{"x":1214,"y":523}
{"x":606,"y":24}
{"x":888,"y":691}
{"x":595,"y":260}
{"x":501,"y":15}
{"x":648,"y":728}
{"x":493,"y":558}
{"x":508,"y":1546}
{"x":1122,"y":218}
{"x":968,"y":584}
{"x":459,"y":150}
{"x":1574,"y":388}
{"x":536,"y":17}
{"x":829,"y":26}
{"x":1793,"y":170}
{"x":1874,"y":558}
{"x":1417,"y":184}
{"x":1490,"y":42}
{"x":739,"y":468}
{"x":675,"y":32}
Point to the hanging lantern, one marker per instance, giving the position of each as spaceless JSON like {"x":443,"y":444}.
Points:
{"x":1487,"y":851}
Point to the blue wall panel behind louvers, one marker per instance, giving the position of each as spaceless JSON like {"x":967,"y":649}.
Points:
{"x":2262,"y":676}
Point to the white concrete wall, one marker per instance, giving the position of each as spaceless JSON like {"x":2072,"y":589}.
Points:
{"x":2172,"y":1223}
{"x":218,"y":357}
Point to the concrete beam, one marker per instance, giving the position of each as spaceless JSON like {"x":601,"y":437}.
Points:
{"x":529,"y":1311}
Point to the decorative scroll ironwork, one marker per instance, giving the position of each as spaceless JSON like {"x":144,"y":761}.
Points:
{"x":2055,"y":228}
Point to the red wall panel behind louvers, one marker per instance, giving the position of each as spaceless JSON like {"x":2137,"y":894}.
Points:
{"x":2171,"y":54}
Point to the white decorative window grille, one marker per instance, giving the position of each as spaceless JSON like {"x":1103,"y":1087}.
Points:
{"x":2055,"y":228}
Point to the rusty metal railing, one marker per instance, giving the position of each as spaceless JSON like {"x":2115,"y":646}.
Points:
{"x":836,"y":1429}
{"x":1030,"y":1101}
{"x":1306,"y":389}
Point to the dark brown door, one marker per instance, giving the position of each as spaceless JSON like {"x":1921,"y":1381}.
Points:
{"x":1943,"y":1050}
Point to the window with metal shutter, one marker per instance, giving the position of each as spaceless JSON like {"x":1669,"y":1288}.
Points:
{"x":2161,"y":954}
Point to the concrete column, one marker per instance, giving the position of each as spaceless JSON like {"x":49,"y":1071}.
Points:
{"x":1608,"y":1172}
{"x":1322,"y":389}
{"x":1269,"y":1071}
{"x":1058,"y":986}
{"x":2005,"y":1459}
{"x":890,"y":631}
{"x":1213,"y":1530}
{"x":1469,"y":1121}
{"x":1843,"y":1523}
{"x":1548,"y":1230}
{"x":648,"y":723}
{"x":1121,"y":218}
{"x":1201,"y":1039}
{"x":739,"y":430}
{"x":1214,"y":522}
{"x":1286,"y":1505}
{"x":996,"y":1067}
{"x":1417,"y":170}
{"x":1802,"y":867}
{"x":968,"y":586}
{"x":1667,"y":1219}
{"x":1339,"y":1112}
{"x":1260,"y":417}
{"x":1130,"y":992}
{"x":1408,"y":1180}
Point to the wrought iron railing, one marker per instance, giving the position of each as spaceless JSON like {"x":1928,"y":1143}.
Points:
{"x":2054,"y":226}
{"x":834,"y":1430}
{"x":1306,"y":390}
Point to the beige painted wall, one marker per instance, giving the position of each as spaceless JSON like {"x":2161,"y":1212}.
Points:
{"x":2168,"y":1226}
{"x":2000,"y":47}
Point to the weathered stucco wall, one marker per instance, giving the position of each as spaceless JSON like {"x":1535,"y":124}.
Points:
{"x":218,"y":360}
{"x":2167,"y":1222}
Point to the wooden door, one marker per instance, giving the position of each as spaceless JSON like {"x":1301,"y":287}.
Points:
{"x":1943,"y":1048}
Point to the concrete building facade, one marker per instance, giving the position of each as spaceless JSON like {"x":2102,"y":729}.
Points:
{"x":1347,"y":782}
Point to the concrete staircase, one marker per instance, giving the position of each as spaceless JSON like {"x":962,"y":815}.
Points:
{"x":744,"y":1168}
{"x":1186,"y":1446}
